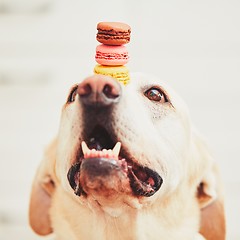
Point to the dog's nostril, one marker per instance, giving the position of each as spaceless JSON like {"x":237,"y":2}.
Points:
{"x":85,"y":90}
{"x":109,"y":92}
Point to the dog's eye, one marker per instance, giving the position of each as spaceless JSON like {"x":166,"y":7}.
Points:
{"x":72,"y":94}
{"x":155,"y":94}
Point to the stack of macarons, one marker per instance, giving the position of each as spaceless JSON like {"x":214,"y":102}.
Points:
{"x":111,"y":54}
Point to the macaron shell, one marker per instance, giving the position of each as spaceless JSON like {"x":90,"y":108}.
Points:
{"x":111,"y":55}
{"x":121,"y":73}
{"x":116,"y":26}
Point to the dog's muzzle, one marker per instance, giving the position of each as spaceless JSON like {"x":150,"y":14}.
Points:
{"x":103,"y":165}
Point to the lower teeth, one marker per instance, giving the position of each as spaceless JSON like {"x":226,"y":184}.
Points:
{"x":93,"y":153}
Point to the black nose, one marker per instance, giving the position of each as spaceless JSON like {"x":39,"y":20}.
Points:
{"x":99,"y":90}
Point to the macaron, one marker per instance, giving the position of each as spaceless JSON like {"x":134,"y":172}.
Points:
{"x":113,"y":33}
{"x":121,"y":73}
{"x":111,"y":55}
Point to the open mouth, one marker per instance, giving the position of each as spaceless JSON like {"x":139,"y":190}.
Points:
{"x":99,"y":146}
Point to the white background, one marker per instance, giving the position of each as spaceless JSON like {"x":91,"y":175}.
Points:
{"x":46,"y":46}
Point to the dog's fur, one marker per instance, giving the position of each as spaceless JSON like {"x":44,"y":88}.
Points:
{"x":189,"y":204}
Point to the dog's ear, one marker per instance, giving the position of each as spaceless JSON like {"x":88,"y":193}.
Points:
{"x":207,"y":191}
{"x":212,"y":209}
{"x":42,"y":190}
{"x":213,"y":221}
{"x":210,"y":196}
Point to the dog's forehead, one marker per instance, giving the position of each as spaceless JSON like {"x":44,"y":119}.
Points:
{"x":141,"y":76}
{"x":145,"y":79}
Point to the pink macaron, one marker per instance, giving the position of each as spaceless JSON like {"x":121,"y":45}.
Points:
{"x":111,"y":55}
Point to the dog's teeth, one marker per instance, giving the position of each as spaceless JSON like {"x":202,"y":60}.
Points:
{"x":85,"y":148}
{"x":116,"y":149}
{"x":110,"y":153}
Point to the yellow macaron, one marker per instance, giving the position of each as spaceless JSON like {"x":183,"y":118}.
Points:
{"x":121,"y":73}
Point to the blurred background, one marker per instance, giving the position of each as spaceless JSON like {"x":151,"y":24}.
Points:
{"x":48,"y":45}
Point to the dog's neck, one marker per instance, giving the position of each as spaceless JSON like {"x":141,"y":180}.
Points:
{"x":136,"y":224}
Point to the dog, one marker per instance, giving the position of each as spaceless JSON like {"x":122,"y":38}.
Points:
{"x":127,"y":163}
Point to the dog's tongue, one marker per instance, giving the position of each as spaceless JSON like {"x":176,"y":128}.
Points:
{"x":94,"y":153}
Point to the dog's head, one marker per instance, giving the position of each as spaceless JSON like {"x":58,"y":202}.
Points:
{"x":126,"y":145}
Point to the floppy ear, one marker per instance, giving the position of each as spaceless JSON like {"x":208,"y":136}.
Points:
{"x":210,"y":197}
{"x":207,"y":192}
{"x":212,"y":208}
{"x":42,"y":190}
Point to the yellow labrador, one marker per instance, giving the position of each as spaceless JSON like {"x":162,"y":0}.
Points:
{"x":127,"y":164}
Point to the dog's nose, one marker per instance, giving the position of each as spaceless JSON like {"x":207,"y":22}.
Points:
{"x":99,"y":90}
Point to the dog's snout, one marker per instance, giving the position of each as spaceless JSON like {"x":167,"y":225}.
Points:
{"x":99,"y":90}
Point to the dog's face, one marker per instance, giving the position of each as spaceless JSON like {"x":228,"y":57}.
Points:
{"x":146,"y":118}
{"x":129,"y":154}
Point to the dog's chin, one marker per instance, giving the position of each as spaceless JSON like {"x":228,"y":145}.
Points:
{"x":110,"y":173}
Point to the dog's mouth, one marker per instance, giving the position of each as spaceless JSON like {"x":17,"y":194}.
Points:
{"x":100,"y":155}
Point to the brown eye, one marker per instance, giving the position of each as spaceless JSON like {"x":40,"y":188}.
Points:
{"x":72,"y":95}
{"x":155,"y":94}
